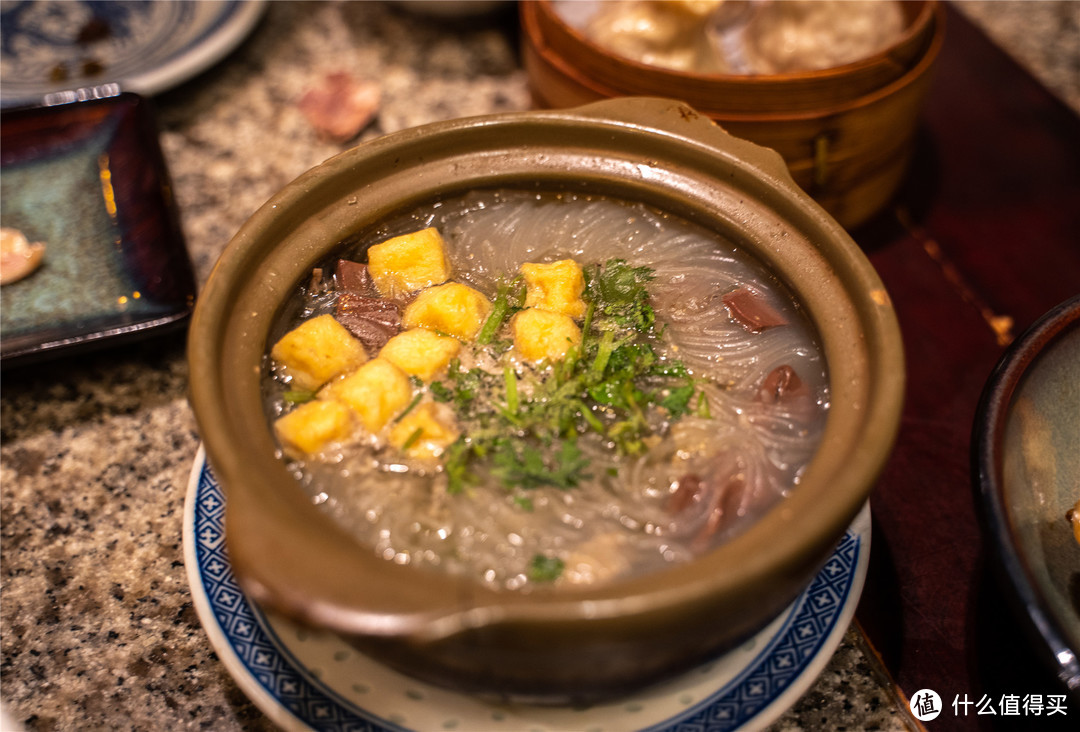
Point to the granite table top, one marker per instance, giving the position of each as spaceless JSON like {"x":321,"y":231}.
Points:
{"x":98,"y":625}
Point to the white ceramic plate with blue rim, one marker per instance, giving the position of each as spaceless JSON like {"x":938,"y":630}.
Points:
{"x":307,"y":680}
{"x":48,"y":46}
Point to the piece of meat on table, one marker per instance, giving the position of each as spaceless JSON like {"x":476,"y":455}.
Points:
{"x":341,"y":106}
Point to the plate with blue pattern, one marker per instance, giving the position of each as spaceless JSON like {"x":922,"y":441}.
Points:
{"x":48,"y":47}
{"x":304,"y":679}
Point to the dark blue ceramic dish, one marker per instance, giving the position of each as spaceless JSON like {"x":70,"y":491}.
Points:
{"x":88,"y":179}
{"x":1026,"y":467}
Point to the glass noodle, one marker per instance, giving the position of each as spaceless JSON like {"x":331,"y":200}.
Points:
{"x":704,"y":477}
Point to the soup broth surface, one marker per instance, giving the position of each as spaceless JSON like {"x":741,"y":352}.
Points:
{"x":725,"y":421}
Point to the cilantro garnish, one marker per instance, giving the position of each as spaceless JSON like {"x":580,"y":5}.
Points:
{"x":545,"y":569}
{"x":522,"y":427}
{"x":414,"y":437}
{"x":456,"y":465}
{"x":462,"y":387}
{"x":298,"y":396}
{"x":412,"y":405}
{"x":620,"y":290}
{"x":440,"y":392}
{"x":522,"y":465}
{"x":677,"y":401}
{"x":508,"y":299}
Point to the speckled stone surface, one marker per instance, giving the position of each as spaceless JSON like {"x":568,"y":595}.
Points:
{"x":1042,"y":35}
{"x":98,"y":627}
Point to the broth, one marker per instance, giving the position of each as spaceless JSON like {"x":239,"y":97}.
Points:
{"x":730,"y":413}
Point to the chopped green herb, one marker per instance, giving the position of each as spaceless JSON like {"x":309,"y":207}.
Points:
{"x":620,"y":284}
{"x":415,"y":400}
{"x":586,"y":324}
{"x":298,"y":396}
{"x":501,"y":345}
{"x":667,"y":367}
{"x":633,"y":359}
{"x":545,"y":569}
{"x":608,"y":393}
{"x":507,"y":300}
{"x":590,"y":418}
{"x":440,"y":392}
{"x":524,"y":465}
{"x":456,"y":465}
{"x":677,"y":402}
{"x":621,"y":294}
{"x":413,"y":438}
{"x":466,"y":386}
{"x":603,"y":355}
{"x":571,"y":464}
{"x":703,"y":410}
{"x":605,"y":385}
{"x":510,"y":379}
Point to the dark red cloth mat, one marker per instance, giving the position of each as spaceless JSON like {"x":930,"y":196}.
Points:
{"x":983,"y":239}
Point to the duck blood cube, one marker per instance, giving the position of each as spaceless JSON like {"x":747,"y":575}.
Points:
{"x":354,"y":278}
{"x":371,"y":320}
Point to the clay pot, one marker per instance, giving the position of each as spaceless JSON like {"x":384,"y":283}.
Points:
{"x":556,"y":646}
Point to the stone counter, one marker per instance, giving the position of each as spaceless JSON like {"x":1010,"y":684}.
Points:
{"x":98,"y":626}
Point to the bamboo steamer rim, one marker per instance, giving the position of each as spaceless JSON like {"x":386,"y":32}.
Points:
{"x":935,"y":26}
{"x":611,"y":74}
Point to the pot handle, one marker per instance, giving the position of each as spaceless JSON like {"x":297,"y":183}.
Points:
{"x":270,"y":553}
{"x":671,"y":116}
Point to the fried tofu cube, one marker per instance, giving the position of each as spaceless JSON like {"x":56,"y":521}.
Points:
{"x":453,"y":309}
{"x":420,"y":352}
{"x":312,"y":426}
{"x":426,"y":431}
{"x":409,"y":262}
{"x":543,"y":335}
{"x":556,"y":287}
{"x":316,"y":351}
{"x":376,"y":392}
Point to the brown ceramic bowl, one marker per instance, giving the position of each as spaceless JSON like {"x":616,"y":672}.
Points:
{"x":846,"y":132}
{"x":563,"y":645}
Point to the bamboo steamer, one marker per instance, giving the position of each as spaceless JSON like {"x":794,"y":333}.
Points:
{"x":846,"y":133}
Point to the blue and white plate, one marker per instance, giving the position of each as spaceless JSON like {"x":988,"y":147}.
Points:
{"x":48,"y":46}
{"x":307,"y":680}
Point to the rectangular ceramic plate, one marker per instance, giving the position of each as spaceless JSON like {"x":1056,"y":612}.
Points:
{"x":88,"y":179}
